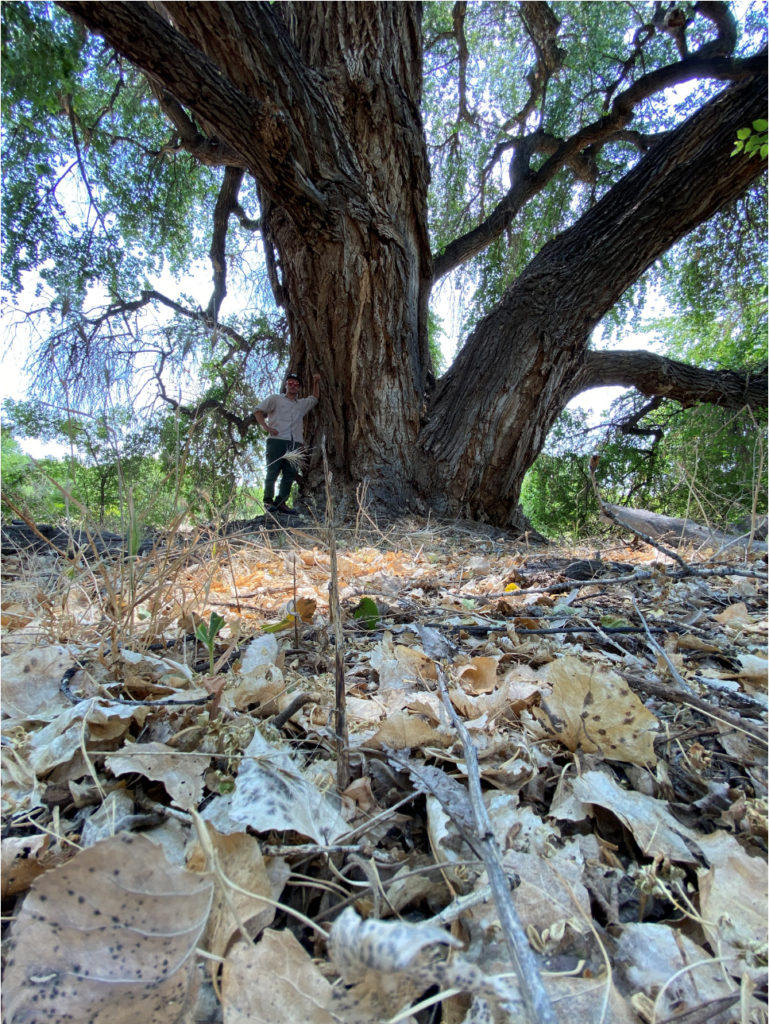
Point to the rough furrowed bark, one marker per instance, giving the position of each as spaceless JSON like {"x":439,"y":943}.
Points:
{"x":322,"y":103}
{"x":357,"y":303}
{"x":491,"y":412}
{"x":652,"y":374}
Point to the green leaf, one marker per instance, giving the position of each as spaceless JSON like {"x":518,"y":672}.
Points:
{"x":207,"y":633}
{"x":613,"y":621}
{"x":367,"y":613}
{"x":761,"y":125}
{"x":744,"y":133}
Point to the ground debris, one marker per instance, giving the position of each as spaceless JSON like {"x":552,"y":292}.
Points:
{"x":615,"y":700}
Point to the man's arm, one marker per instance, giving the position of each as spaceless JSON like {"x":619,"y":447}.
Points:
{"x":261,"y":418}
{"x":316,"y":385}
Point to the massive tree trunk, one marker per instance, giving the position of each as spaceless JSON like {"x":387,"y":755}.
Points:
{"x":320,"y":103}
{"x":516,"y":372}
{"x":357,"y":294}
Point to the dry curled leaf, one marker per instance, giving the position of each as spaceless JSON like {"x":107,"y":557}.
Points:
{"x":653,"y":827}
{"x":273,"y":792}
{"x":272,"y":982}
{"x":180,"y":772}
{"x":359,"y":946}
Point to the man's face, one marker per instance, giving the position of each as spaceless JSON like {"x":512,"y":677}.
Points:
{"x":292,"y":386}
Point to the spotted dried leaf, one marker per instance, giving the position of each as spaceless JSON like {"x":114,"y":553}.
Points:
{"x":272,"y":791}
{"x":593,"y":709}
{"x":109,"y":937}
{"x":357,"y":946}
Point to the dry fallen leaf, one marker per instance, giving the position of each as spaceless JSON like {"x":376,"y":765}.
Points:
{"x":180,"y":772}
{"x":734,"y":902}
{"x":109,"y":938}
{"x":32,"y":681}
{"x":653,"y":827}
{"x":240,"y":857}
{"x":479,"y":675}
{"x":272,"y":792}
{"x":272,"y":982}
{"x":593,"y":709}
{"x":736,"y":615}
{"x":655,"y":955}
{"x":401,"y":731}
{"x":20,"y":862}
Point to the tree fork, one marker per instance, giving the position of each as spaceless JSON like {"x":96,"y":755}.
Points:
{"x":491,"y":412}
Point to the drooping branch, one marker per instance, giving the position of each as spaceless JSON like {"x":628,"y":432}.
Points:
{"x":149,"y":295}
{"x":658,"y":376}
{"x":201,"y":409}
{"x":226,"y":202}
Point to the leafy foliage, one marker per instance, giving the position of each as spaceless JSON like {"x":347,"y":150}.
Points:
{"x":556,"y":494}
{"x":90,"y":198}
{"x":753,"y":140}
{"x":705,"y":463}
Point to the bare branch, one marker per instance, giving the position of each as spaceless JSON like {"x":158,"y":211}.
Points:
{"x":201,"y":409}
{"x":594,"y":136}
{"x":458,"y":14}
{"x":629,"y":425}
{"x":225,"y":204}
{"x":658,"y":376}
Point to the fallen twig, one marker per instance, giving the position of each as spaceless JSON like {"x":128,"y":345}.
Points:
{"x":624,"y":526}
{"x":670,"y":693}
{"x":335,"y":611}
{"x":535,"y":997}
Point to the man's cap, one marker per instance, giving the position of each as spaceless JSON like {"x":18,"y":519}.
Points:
{"x":293,"y":376}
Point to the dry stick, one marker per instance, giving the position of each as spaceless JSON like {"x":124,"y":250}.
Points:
{"x":659,"y":650}
{"x":296,"y":611}
{"x":624,"y":526}
{"x":684,"y":693}
{"x":669,"y":693}
{"x":232,"y":574}
{"x":536,"y":999}
{"x":335,"y":610}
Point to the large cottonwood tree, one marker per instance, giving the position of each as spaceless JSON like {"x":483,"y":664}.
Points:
{"x":321,"y":106}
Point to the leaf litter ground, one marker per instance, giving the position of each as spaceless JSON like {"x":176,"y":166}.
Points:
{"x":178,"y":845}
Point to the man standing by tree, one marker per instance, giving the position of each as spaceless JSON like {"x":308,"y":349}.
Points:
{"x":285,"y":413}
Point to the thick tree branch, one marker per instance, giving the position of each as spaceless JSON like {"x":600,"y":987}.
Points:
{"x":226,"y":202}
{"x":526,"y":356}
{"x":236,"y":90}
{"x":596,"y":135}
{"x":208,"y":150}
{"x":658,"y":376}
